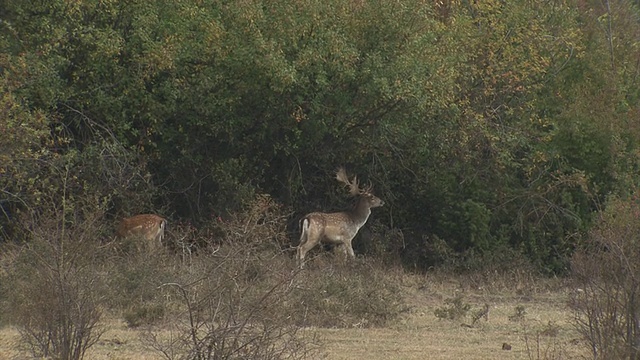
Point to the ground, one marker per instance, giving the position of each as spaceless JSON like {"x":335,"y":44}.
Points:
{"x":543,"y":329}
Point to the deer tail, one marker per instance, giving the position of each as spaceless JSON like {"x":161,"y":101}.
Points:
{"x":304,"y":226}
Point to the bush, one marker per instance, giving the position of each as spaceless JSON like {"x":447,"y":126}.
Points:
{"x":133,"y":280}
{"x":263,"y":223}
{"x":228,"y":306}
{"x":55,"y":286}
{"x":231,"y":301}
{"x":362,"y":294}
{"x":454,"y":309}
{"x":607,"y":302}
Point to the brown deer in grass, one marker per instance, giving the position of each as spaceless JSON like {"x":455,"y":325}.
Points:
{"x":341,"y":227}
{"x":147,"y":226}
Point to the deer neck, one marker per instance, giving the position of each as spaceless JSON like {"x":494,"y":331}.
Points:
{"x":361,"y":211}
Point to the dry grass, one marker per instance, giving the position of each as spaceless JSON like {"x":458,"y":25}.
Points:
{"x":545,"y":331}
{"x":422,"y":334}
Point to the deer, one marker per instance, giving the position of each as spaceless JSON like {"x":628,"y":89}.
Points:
{"x":341,"y":227}
{"x":147,"y":226}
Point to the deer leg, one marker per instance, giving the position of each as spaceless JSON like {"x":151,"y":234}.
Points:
{"x":304,"y":247}
{"x":301,"y":255}
{"x":348,"y":249}
{"x":302,"y":252}
{"x":345,"y":251}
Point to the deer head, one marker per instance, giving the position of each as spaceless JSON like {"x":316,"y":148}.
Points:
{"x":365,"y":194}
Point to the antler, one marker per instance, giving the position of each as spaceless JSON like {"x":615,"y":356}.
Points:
{"x":368,"y":189}
{"x":341,"y":175}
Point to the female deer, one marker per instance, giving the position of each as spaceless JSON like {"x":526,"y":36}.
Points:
{"x":147,"y":226}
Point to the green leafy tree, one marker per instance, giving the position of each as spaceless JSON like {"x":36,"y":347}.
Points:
{"x":484,"y":125}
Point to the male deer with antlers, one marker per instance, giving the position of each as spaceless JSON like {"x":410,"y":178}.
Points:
{"x":147,"y":226}
{"x":337,"y":228}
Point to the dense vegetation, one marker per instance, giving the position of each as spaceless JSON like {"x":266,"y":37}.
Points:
{"x":489,"y":127}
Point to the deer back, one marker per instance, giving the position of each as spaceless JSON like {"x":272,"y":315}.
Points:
{"x":148,"y":226}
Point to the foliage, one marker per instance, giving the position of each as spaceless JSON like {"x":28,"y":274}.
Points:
{"x":346,"y":295}
{"x":518,"y":313}
{"x":231,"y":303}
{"x":605,"y":303}
{"x":454,"y":309}
{"x":484,"y":125}
{"x":544,"y":344}
{"x":55,"y":289}
{"x":254,"y":246}
{"x":262,"y":224}
{"x":226,"y":320}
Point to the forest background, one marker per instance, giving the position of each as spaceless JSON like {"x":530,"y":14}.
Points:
{"x":492,"y":129}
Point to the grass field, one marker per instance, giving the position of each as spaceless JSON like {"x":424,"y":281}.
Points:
{"x":533,"y":320}
{"x":543,"y":331}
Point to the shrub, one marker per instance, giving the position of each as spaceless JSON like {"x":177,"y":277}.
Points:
{"x":134,"y":277}
{"x":231,"y":307}
{"x":361,"y":294}
{"x":606,"y":304}
{"x":232,"y":301}
{"x":143,"y":314}
{"x":454,"y":309}
{"x":263,"y":223}
{"x":519,"y":313}
{"x":55,"y":287}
